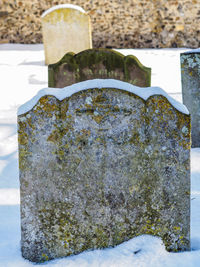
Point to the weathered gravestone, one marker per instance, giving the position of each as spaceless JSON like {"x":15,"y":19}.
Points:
{"x":101,"y":162}
{"x":190,"y":78}
{"x":66,"y":28}
{"x":98,"y":64}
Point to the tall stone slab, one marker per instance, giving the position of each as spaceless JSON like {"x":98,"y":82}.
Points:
{"x":190,"y":78}
{"x":100,"y":163}
{"x":66,"y":28}
{"x":98,"y":64}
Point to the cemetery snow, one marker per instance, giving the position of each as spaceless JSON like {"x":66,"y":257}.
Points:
{"x":23,"y":73}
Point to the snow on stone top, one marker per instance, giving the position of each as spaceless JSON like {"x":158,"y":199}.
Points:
{"x":143,"y":92}
{"x":63,"y":6}
{"x":197,"y":50}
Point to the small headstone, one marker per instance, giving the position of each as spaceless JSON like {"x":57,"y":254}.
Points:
{"x":190,"y":78}
{"x":98,"y":64}
{"x":100,"y":163}
{"x":66,"y":28}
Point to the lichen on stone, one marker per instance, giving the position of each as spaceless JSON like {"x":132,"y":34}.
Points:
{"x":99,"y":168}
{"x":98,"y":63}
{"x":190,"y":73}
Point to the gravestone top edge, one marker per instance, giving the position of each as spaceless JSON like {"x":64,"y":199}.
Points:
{"x":98,"y":63}
{"x":62,"y":6}
{"x":71,"y":55}
{"x":192,"y":51}
{"x":62,"y":93}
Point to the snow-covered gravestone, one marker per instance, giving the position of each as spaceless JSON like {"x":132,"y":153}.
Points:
{"x":98,"y":64}
{"x":66,"y":28}
{"x":190,"y":78}
{"x":100,"y":162}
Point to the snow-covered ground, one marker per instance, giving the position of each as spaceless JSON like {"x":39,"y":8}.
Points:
{"x":23,"y":73}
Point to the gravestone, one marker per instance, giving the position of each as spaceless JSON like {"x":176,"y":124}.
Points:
{"x":66,"y":28}
{"x":190,"y":78}
{"x":98,"y":64}
{"x":101,"y":162}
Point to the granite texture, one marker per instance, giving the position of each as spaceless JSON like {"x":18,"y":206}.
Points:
{"x":98,"y":63}
{"x":190,"y":79}
{"x":99,"y":168}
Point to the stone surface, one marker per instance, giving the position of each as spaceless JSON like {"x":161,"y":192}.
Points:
{"x":65,"y":30}
{"x":190,"y":79}
{"x":99,"y":168}
{"x":98,"y":63}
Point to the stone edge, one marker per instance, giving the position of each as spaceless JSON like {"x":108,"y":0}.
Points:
{"x":71,"y":55}
{"x":61,"y":93}
{"x":62,"y":6}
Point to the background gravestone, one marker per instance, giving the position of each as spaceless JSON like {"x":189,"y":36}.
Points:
{"x":66,"y":28}
{"x":99,"y":167}
{"x":190,"y":78}
{"x":98,"y":63}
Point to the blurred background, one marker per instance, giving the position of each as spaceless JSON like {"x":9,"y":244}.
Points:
{"x":115,"y":23}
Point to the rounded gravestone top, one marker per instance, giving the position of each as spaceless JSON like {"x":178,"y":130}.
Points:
{"x":71,"y":6}
{"x":60,"y":94}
